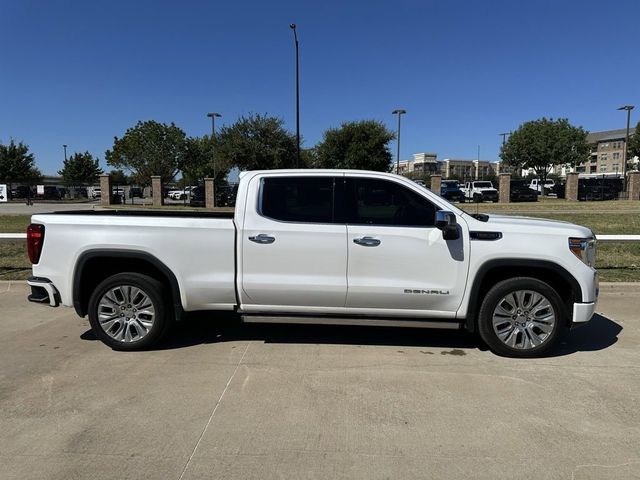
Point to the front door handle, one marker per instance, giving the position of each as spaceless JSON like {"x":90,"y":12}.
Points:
{"x":367,"y":241}
{"x":262,"y":238}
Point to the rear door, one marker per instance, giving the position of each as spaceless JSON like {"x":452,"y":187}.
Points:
{"x":294,"y":253}
{"x":398,"y":261}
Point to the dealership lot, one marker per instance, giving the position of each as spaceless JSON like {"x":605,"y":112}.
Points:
{"x":224,"y":400}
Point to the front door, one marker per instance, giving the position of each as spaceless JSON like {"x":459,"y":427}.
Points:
{"x":398,"y":261}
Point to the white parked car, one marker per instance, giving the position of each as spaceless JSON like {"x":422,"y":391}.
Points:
{"x":536,"y":185}
{"x":480,"y":191}
{"x":319,"y":246}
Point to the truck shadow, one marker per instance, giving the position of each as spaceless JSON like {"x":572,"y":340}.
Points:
{"x":206,"y":327}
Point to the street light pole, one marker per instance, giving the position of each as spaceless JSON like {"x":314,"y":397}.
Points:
{"x":628,"y":108}
{"x":65,"y":152}
{"x":295,"y":37}
{"x":213,"y":116}
{"x":504,"y":137}
{"x":399,"y":112}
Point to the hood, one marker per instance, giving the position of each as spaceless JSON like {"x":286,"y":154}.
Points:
{"x":534,"y":225}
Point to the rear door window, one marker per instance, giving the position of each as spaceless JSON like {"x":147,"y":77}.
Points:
{"x":298,"y":199}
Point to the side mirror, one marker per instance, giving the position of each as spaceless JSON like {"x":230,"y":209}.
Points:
{"x":446,"y":221}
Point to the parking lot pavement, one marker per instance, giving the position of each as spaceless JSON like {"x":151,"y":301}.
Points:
{"x":225,"y":400}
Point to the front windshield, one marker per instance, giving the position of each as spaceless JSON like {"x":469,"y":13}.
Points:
{"x":483,"y":185}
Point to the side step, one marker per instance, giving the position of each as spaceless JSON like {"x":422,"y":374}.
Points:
{"x":328,"y":320}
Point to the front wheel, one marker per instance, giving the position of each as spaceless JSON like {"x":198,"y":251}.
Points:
{"x":521,"y":317}
{"x":129,"y":311}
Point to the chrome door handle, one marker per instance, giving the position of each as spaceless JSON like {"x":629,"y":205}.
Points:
{"x":367,"y":241}
{"x":262,"y":238}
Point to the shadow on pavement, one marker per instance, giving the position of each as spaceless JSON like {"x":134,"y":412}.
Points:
{"x":203,"y":328}
{"x":599,"y":333}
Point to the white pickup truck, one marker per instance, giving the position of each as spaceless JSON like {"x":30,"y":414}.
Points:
{"x":480,"y":191}
{"x":319,"y":246}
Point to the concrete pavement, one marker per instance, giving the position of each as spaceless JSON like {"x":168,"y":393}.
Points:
{"x":224,"y":400}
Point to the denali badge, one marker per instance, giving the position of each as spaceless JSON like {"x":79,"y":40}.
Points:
{"x":426,"y":292}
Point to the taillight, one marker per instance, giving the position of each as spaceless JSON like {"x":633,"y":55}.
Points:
{"x":35,"y":239}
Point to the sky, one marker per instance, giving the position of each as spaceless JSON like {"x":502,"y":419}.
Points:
{"x":81,"y":72}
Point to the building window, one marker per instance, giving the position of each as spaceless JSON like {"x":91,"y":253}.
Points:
{"x":603,"y":168}
{"x":603,"y":157}
{"x":616,"y":155}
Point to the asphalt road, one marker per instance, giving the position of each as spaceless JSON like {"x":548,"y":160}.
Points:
{"x":224,"y":400}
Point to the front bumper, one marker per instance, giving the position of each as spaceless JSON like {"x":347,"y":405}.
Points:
{"x":43,"y":291}
{"x":582,"y":312}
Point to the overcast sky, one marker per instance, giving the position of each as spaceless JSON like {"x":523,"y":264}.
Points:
{"x":82,"y":72}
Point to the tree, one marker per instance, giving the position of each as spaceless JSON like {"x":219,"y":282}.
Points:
{"x":17,"y":164}
{"x":200,"y":162}
{"x":362,"y":145}
{"x":80,"y":168}
{"x":118,"y":177}
{"x":633,"y":150}
{"x":256,"y":142}
{"x":541,"y":144}
{"x":149,"y":148}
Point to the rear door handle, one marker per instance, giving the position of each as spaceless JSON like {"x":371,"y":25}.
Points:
{"x":367,"y":241}
{"x":262,"y":238}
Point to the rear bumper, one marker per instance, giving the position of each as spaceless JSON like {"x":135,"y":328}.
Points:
{"x":43,"y":291}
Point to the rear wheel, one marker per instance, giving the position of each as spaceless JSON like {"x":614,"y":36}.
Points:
{"x":521,"y":317}
{"x":129,"y":311}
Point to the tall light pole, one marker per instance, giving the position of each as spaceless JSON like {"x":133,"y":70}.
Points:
{"x":628,"y":108}
{"x":213,"y":116}
{"x":504,"y":137}
{"x":399,"y":112}
{"x":295,"y":37}
{"x":65,"y":152}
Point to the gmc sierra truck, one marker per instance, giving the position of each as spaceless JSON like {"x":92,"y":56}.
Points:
{"x":319,"y":246}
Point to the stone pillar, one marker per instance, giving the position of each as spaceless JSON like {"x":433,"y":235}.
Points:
{"x":505,"y":187}
{"x":209,"y":193}
{"x":156,"y":187}
{"x":436,"y":183}
{"x":571,"y":188}
{"x":105,"y":190}
{"x":633,"y":185}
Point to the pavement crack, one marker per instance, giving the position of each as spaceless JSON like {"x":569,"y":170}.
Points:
{"x":204,"y":430}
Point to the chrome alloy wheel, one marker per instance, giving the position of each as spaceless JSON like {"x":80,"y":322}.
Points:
{"x":523,"y":319}
{"x":126,"y":313}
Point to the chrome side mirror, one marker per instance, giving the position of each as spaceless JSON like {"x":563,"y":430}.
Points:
{"x":446,"y":222}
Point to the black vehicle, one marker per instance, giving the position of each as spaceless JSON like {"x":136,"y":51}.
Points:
{"x":520,"y":192}
{"x":587,"y":192}
{"x":22,"y":191}
{"x":135,"y":192}
{"x":226,"y":196}
{"x":450,"y":190}
{"x":197,"y":197}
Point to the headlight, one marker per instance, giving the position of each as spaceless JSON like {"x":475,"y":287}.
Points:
{"x":584,"y":249}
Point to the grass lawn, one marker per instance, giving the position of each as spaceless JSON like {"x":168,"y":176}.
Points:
{"x":617,"y":261}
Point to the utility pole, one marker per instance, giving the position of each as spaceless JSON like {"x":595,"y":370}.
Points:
{"x":628,"y":108}
{"x":213,"y":116}
{"x":399,"y":112}
{"x":295,"y":36}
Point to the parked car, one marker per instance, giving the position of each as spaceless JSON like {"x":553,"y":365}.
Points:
{"x":480,"y":191}
{"x":450,"y":190}
{"x":519,"y":191}
{"x":197,"y":197}
{"x":135,"y":192}
{"x":536,"y":185}
{"x":319,"y":246}
{"x":96,"y":192}
{"x":588,"y":192}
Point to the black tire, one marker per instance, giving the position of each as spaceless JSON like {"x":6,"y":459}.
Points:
{"x":528,"y":330}
{"x":155,"y":294}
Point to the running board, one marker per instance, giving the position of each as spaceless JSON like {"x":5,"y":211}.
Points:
{"x":350,"y":321}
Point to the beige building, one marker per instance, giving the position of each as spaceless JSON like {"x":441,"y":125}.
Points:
{"x":428,"y":163}
{"x":469,"y":169}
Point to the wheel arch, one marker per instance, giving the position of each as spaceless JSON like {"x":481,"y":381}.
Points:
{"x":94,"y":266}
{"x":494,"y":271}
